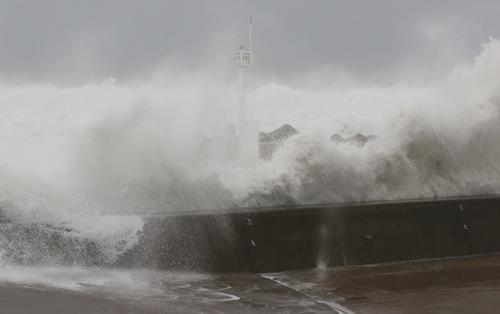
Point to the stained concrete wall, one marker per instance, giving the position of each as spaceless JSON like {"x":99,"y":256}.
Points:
{"x":284,"y":238}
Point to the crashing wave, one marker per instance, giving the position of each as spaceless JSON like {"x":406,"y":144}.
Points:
{"x":78,"y":166}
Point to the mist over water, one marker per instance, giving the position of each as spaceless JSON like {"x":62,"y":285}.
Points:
{"x":81,"y":164}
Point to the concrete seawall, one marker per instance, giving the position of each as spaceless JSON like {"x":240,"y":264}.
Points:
{"x":285,"y":238}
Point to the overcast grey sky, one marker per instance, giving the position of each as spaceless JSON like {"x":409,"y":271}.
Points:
{"x":59,"y":40}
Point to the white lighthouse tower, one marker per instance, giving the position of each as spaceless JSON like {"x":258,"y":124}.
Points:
{"x":246,"y":125}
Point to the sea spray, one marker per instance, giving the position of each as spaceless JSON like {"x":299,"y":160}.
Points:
{"x":75,"y":161}
{"x":442,"y":142}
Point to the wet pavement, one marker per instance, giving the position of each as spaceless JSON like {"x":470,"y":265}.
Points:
{"x":468,"y":285}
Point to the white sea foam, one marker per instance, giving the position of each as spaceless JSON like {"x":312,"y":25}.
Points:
{"x":125,"y":283}
{"x":92,"y":158}
{"x":433,"y":140}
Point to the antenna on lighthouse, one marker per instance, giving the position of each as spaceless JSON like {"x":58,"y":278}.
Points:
{"x":247,"y":134}
{"x":250,"y":34}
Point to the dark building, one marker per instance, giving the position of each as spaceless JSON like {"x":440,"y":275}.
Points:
{"x":359,"y":139}
{"x":270,"y":142}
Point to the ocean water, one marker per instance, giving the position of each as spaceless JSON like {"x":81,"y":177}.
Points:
{"x":81,"y":165}
{"x":86,"y":162}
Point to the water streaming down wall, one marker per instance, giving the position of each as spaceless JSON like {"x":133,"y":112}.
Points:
{"x":278,"y":239}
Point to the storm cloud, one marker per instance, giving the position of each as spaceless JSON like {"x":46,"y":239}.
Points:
{"x":77,"y":41}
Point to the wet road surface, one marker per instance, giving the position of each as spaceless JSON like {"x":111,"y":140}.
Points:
{"x":469,"y":285}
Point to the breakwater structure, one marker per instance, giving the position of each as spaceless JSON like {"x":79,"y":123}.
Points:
{"x":270,"y":239}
